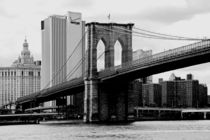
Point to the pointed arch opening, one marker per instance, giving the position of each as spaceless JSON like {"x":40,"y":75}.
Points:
{"x":100,"y":55}
{"x":117,"y":53}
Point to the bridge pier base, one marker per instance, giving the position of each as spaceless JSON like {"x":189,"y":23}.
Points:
{"x":117,"y":101}
{"x":91,"y":101}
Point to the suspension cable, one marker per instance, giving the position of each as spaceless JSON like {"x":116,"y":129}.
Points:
{"x":168,"y":37}
{"x":76,"y":47}
{"x":145,"y":35}
{"x":137,"y":35}
{"x":164,"y":34}
{"x":79,"y":64}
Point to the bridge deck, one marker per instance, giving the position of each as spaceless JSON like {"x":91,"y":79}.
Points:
{"x":188,"y":55}
{"x":52,"y":91}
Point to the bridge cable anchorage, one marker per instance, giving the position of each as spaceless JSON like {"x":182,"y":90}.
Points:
{"x":151,"y":36}
{"x":76,"y":47}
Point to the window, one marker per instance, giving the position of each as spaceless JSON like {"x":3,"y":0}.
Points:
{"x":42,"y":25}
{"x":30,"y":73}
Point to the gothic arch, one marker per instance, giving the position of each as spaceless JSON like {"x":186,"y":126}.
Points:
{"x":109,"y":33}
{"x":100,"y":54}
{"x":117,"y":53}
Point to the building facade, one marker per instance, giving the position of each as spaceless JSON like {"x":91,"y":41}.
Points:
{"x":151,"y":94}
{"x":141,"y":54}
{"x":179,"y":92}
{"x":176,"y":92}
{"x":203,"y":97}
{"x":22,"y":78}
{"x":63,"y":47}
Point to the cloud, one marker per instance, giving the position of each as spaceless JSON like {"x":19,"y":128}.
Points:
{"x":4,"y":13}
{"x":171,"y":14}
{"x":78,"y":3}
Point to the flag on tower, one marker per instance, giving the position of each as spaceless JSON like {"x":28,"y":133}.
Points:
{"x":109,"y":16}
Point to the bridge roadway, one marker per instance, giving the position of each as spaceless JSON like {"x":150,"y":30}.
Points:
{"x":188,"y":55}
{"x":55,"y":91}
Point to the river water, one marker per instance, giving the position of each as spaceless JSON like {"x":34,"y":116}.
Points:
{"x":143,"y":130}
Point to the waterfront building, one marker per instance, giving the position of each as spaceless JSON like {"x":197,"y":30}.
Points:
{"x":63,"y":47}
{"x":179,"y":92}
{"x":208,"y":100}
{"x":203,"y":96}
{"x":151,"y":95}
{"x":167,"y":93}
{"x":141,"y":54}
{"x":21,"y":78}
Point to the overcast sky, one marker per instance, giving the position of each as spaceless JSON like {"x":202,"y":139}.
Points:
{"x":20,"y":18}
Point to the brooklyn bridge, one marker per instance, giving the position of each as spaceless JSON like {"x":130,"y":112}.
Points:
{"x":109,"y":94}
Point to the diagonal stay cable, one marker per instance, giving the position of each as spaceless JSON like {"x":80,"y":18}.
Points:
{"x":77,"y":46}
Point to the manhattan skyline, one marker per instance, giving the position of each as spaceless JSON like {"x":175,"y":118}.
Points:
{"x":184,"y":18}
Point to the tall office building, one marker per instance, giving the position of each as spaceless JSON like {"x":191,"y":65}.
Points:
{"x":63,"y":47}
{"x":22,"y":78}
{"x":141,"y":54}
{"x":53,"y":51}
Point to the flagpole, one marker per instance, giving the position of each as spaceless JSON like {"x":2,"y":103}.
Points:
{"x":109,"y":17}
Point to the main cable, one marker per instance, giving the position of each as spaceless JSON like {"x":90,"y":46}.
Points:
{"x":167,"y":37}
{"x":146,"y":35}
{"x":163,"y":34}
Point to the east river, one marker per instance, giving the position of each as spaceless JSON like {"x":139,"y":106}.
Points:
{"x":143,"y":130}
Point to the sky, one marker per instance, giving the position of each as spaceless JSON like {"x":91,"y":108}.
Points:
{"x":191,"y":18}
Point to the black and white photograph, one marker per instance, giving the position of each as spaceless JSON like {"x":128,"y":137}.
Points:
{"x":104,"y":70}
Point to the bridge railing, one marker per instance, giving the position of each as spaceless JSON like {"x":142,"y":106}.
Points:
{"x":146,"y":61}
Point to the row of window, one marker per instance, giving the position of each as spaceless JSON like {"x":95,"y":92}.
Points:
{"x":30,"y":73}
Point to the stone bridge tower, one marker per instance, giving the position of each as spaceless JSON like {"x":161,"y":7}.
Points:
{"x":109,"y":33}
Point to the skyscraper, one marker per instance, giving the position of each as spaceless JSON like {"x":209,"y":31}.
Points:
{"x":21,"y":79}
{"x":63,"y":47}
{"x":53,"y":51}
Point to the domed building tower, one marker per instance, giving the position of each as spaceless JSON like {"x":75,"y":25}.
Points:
{"x":21,"y":79}
{"x":25,"y":59}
